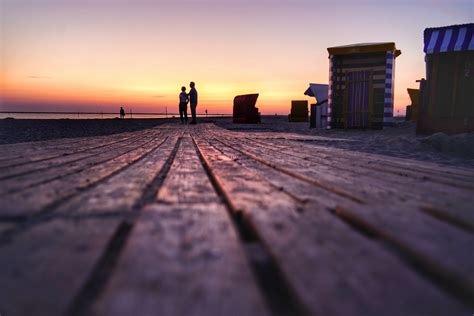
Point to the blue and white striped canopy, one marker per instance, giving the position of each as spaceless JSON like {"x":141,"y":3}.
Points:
{"x":452,"y":38}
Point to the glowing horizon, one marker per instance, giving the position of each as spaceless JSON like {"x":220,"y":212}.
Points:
{"x":99,"y":55}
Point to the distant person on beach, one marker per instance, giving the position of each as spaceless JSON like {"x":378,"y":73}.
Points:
{"x":122,"y":113}
{"x":183,"y":106}
{"x":193,"y":101}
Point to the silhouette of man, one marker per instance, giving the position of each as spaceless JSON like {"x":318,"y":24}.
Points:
{"x":183,"y":106}
{"x":122,"y":113}
{"x":193,"y":101}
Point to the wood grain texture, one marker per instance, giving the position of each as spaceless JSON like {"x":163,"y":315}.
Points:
{"x":19,"y":154}
{"x":44,"y":268}
{"x":63,"y":157}
{"x":298,"y":239}
{"x":206,"y":210}
{"x":183,"y":256}
{"x":41,"y":198}
{"x":361,"y":185}
{"x":55,"y":257}
{"x":439,"y":242}
{"x":56,"y":169}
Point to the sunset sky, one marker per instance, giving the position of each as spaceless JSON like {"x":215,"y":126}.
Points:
{"x":84,"y":55}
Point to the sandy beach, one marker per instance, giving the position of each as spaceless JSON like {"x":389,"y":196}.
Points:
{"x":398,"y":141}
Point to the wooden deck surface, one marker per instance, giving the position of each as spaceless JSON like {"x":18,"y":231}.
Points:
{"x":199,"y":220}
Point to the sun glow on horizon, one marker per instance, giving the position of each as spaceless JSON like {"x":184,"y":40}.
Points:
{"x":96,"y":56}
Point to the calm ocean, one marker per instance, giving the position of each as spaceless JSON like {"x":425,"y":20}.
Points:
{"x":74,"y":116}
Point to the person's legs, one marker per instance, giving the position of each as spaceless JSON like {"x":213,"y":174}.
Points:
{"x":185,"y":110}
{"x":193,"y":113}
{"x":181,"y":114}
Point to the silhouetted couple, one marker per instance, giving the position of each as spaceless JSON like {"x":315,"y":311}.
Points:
{"x":184,"y":98}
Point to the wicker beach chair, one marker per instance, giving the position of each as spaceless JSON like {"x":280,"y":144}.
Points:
{"x":245,"y":111}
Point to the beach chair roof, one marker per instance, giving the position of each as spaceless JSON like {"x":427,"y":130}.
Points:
{"x":364,"y":48}
{"x":452,"y":38}
{"x":319,"y":91}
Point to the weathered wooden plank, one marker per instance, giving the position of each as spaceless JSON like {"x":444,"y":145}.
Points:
{"x":5,"y":226}
{"x":186,"y":181}
{"x":408,"y":164}
{"x":313,"y":159}
{"x":43,"y":197}
{"x":364,"y":187}
{"x":54,"y":259}
{"x":181,"y":260}
{"x":122,"y":191}
{"x":183,"y":256}
{"x":343,"y":160}
{"x":62,"y":158}
{"x":339,"y":163}
{"x":355,"y":273}
{"x":438,"y":246}
{"x":444,"y":201}
{"x":15,"y":154}
{"x":60,"y":170}
{"x":14,"y":151}
{"x":297,"y":143}
{"x":325,"y":259}
{"x":43,"y":269}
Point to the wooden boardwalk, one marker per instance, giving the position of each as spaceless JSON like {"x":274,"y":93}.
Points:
{"x":204,"y":221}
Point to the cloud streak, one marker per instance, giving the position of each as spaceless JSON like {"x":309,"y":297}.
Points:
{"x":39,"y":77}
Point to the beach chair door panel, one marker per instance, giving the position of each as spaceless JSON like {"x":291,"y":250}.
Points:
{"x":357,"y":106}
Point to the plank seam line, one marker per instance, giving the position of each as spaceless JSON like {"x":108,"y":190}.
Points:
{"x":57,"y":156}
{"x":446,"y":218}
{"x":270,"y":183}
{"x":75,"y":152}
{"x":48,"y":140}
{"x":103,"y":270}
{"x":386,"y":160}
{"x":47,"y":212}
{"x":433,"y":212}
{"x":272,"y":282}
{"x":452,"y":284}
{"x":63,"y":175}
{"x":312,"y":181}
{"x":68,"y":162}
{"x":435,"y":178}
{"x":53,"y":166}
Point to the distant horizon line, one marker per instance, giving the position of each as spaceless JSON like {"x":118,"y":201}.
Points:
{"x":78,"y":112}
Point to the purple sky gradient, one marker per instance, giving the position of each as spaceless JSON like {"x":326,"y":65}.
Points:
{"x":85,"y":53}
